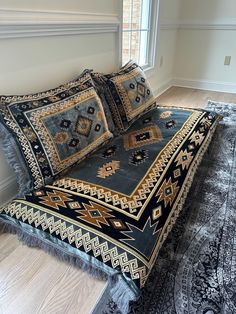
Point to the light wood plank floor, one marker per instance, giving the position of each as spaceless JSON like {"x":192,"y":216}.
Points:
{"x":32,"y":281}
{"x":193,"y":98}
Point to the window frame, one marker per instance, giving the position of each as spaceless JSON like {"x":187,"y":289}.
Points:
{"x":152,"y":38}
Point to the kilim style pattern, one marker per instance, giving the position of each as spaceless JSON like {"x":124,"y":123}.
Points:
{"x":128,"y":94}
{"x":142,"y":137}
{"x":57,"y":128}
{"x":108,"y":169}
{"x":124,"y":230}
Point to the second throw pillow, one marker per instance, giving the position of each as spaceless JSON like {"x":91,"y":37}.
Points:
{"x":128,"y":94}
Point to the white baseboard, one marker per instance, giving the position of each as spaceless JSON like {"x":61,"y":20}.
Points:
{"x":226,"y":87}
{"x":8,"y":189}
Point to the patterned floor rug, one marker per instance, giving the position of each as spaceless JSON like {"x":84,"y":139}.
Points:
{"x":195,"y":272}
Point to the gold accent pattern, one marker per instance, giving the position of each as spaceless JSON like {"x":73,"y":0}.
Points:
{"x":95,"y":214}
{"x":142,"y":137}
{"x":156,"y":212}
{"x":165,"y":114}
{"x":129,"y":111}
{"x":61,"y":137}
{"x":55,"y":199}
{"x":197,"y":138}
{"x":80,"y":238}
{"x":178,"y":205}
{"x":83,"y":125}
{"x":38,"y":99}
{"x":168,"y":192}
{"x":37,"y":118}
{"x":184,"y":159}
{"x":129,"y":204}
{"x":108,"y":169}
{"x":123,"y":257}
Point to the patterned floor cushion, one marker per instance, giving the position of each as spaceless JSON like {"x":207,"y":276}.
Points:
{"x":116,"y":208}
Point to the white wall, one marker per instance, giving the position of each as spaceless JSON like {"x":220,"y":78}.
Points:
{"x":35,"y":64}
{"x":32,"y":64}
{"x":166,"y":45}
{"x":207,"y":10}
{"x":207,"y":34}
{"x":38,"y":63}
{"x":103,"y":6}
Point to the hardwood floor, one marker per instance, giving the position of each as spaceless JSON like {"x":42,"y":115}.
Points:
{"x":193,"y":98}
{"x":33,"y":282}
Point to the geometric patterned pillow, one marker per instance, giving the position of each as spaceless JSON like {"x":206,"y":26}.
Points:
{"x":57,"y":128}
{"x":128,"y":94}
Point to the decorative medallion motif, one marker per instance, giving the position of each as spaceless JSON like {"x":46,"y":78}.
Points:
{"x":61,"y":137}
{"x":108,"y":169}
{"x":141,"y":89}
{"x":177,"y":173}
{"x":55,"y":199}
{"x":73,"y":142}
{"x":83,"y":125}
{"x":184,"y":159}
{"x":65,"y":124}
{"x":168,"y":192}
{"x":165,"y":114}
{"x":30,"y":134}
{"x":206,"y":122}
{"x":197,"y":138}
{"x":110,"y":151}
{"x":94,"y":214}
{"x":170,"y":124}
{"x":138,"y":157}
{"x":142,"y":137}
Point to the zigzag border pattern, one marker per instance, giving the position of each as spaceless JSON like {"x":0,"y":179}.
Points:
{"x":80,"y":238}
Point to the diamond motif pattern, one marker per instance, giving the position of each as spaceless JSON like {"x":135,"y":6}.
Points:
{"x":141,"y":89}
{"x":83,"y":125}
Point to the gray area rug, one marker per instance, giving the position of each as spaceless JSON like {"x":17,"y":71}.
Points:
{"x":195,"y":272}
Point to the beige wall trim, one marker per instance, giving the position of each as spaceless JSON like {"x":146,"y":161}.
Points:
{"x":17,"y":23}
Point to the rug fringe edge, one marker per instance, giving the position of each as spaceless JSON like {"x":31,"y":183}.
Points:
{"x":31,"y":240}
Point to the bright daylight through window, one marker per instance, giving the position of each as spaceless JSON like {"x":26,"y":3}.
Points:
{"x":139,"y":31}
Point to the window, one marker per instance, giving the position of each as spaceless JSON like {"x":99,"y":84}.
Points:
{"x":139,"y":31}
